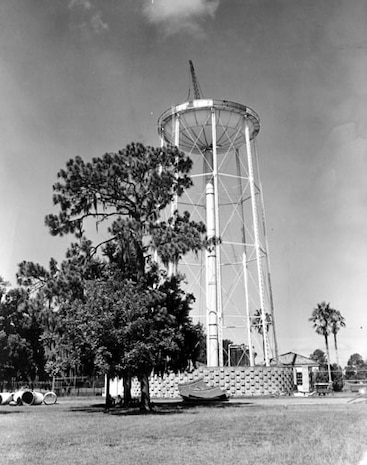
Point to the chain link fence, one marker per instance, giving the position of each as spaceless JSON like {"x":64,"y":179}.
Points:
{"x":65,"y":386}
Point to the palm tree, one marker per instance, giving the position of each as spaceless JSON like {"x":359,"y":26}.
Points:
{"x":257,"y":322}
{"x":322,"y":322}
{"x":338,"y":321}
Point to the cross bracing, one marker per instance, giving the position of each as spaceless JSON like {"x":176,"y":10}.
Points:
{"x":220,"y":137}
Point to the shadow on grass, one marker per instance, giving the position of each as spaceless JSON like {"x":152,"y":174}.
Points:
{"x":6,"y":412}
{"x":163,"y":408}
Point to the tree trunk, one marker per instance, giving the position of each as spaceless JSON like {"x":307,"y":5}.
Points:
{"x":337,"y":357}
{"x":145,"y":395}
{"x":108,"y":396}
{"x":336,"y":350}
{"x":328,"y":357}
{"x":127,"y":389}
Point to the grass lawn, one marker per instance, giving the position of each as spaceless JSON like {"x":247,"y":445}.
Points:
{"x":280,"y":431}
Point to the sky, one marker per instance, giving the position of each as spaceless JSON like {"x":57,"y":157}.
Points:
{"x":86,"y":77}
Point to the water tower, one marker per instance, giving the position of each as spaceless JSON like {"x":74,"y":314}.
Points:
{"x":233,"y":274}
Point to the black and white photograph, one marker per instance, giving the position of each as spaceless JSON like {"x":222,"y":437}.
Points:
{"x":183,"y":239}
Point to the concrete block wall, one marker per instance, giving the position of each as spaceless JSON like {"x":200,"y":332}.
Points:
{"x":236,"y":381}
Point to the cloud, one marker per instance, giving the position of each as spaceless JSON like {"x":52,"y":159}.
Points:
{"x":88,"y":18}
{"x":84,"y":4}
{"x":98,"y":25}
{"x":178,"y":16}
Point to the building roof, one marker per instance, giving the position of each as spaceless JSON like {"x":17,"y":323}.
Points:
{"x":293,"y":359}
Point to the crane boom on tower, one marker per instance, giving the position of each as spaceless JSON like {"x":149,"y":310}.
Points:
{"x":195,"y":83}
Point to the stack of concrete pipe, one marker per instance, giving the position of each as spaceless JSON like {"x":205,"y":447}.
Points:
{"x":27,"y":397}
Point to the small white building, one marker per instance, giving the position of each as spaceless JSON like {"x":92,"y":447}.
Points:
{"x":303,"y":367}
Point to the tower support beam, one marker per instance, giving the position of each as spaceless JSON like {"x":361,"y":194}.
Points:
{"x":257,"y":244}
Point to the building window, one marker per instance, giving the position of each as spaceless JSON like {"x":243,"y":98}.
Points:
{"x":299,"y":378}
